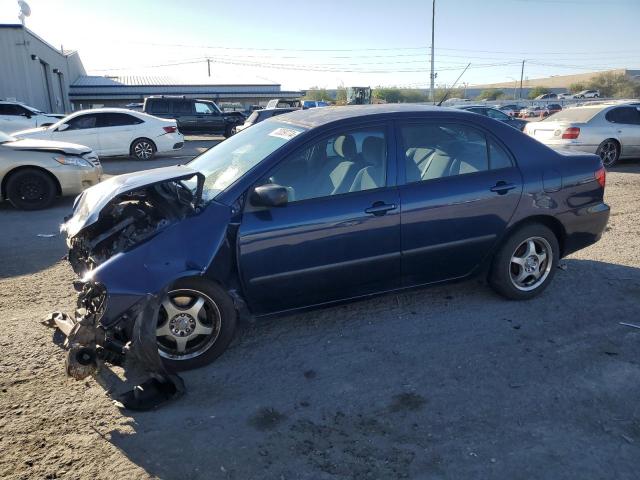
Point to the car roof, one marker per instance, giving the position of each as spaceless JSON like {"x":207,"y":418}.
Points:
{"x":315,"y":117}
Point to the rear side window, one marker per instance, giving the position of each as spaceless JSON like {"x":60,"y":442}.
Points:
{"x":497,"y":114}
{"x":626,"y":115}
{"x":498,"y":157}
{"x":117,"y":120}
{"x":182,"y":107}
{"x":434,"y":150}
{"x":158,"y":105}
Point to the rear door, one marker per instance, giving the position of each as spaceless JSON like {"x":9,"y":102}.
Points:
{"x":461,"y":188}
{"x":339,"y":235}
{"x":627,"y":126}
{"x":182,"y":110}
{"x":82,"y":130}
{"x":116,"y":132}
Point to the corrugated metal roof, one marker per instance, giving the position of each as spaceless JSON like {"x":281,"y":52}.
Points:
{"x":154,"y":80}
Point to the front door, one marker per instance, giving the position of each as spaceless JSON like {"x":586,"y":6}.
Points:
{"x":208,"y":118}
{"x":627,"y":125}
{"x":462,"y":188}
{"x":339,"y":235}
{"x":81,"y":130}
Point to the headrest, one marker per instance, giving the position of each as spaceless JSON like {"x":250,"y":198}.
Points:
{"x":373,"y":150}
{"x":345,"y":146}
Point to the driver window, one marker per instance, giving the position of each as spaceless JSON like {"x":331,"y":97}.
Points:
{"x":348,"y":162}
{"x":203,"y":108}
{"x":82,"y":122}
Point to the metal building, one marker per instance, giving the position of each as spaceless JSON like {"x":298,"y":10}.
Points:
{"x":118,"y":91}
{"x":34,"y":72}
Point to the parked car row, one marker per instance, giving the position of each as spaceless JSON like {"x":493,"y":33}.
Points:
{"x":610,"y":130}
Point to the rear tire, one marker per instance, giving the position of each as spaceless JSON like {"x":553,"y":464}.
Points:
{"x":143,"y":149}
{"x":526,"y":263}
{"x":217,"y":313}
{"x":609,"y":152}
{"x":31,"y":189}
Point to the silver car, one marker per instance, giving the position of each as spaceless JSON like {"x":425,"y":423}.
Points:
{"x":610,"y":130}
{"x":34,"y":172}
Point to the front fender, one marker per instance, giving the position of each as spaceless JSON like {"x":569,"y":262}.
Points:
{"x":186,"y":248}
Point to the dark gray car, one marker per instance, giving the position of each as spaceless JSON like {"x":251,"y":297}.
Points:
{"x":496,"y":115}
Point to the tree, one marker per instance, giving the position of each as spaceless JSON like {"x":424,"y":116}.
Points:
{"x":318,"y":94}
{"x":341,"y":95}
{"x":577,"y":87}
{"x":536,"y":91}
{"x":615,"y":85}
{"x":490,"y":94}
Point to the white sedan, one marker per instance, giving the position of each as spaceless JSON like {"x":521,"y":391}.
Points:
{"x":113,"y":131}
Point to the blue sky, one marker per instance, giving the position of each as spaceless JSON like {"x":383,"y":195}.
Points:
{"x":302,"y":44}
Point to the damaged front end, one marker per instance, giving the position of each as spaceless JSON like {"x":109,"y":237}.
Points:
{"x":125,"y":275}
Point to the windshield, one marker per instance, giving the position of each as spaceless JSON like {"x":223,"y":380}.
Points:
{"x":573,"y":115}
{"x":4,"y":138}
{"x":225,"y":163}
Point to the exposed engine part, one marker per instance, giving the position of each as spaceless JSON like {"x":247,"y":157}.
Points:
{"x":128,"y":220}
{"x":88,"y":346}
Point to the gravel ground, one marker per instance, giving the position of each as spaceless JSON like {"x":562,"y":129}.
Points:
{"x":447,"y":382}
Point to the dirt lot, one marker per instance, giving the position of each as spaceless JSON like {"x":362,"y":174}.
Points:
{"x":447,"y":382}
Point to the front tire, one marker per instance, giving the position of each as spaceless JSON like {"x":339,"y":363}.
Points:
{"x":609,"y":152}
{"x":526,"y":263}
{"x":143,"y":149}
{"x":195,"y":324}
{"x":229,"y":131}
{"x":31,"y":189}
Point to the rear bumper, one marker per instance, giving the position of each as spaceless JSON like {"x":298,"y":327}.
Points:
{"x":584,"y":226}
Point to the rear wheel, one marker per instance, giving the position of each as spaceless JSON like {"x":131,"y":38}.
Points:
{"x":143,"y":149}
{"x":609,"y":152}
{"x":526,"y":263}
{"x":196,"y":323}
{"x":31,"y":189}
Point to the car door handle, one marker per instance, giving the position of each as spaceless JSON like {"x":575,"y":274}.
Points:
{"x":502,"y":187}
{"x":380,"y":208}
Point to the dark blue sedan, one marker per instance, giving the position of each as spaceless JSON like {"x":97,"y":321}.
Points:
{"x":321,"y":206}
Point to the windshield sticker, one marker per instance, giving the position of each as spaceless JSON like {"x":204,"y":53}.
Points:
{"x":285,"y":133}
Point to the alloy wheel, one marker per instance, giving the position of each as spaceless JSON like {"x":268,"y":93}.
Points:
{"x":608,"y":152}
{"x":31,"y":189}
{"x":188,"y":324}
{"x":143,"y":150}
{"x":530,"y":263}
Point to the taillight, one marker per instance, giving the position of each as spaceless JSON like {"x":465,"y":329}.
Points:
{"x":571,"y":133}
{"x":601,"y":176}
{"x":170,"y":129}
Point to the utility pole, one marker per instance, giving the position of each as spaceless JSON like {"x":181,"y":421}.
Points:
{"x":209,"y":66}
{"x":433,"y":77}
{"x":521,"y":75}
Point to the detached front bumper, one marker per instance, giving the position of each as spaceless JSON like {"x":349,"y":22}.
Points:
{"x":90,"y":345}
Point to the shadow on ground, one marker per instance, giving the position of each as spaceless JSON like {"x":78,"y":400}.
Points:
{"x":447,"y":382}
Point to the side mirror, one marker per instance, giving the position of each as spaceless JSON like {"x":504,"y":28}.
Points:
{"x":63,"y":127}
{"x":270,"y":195}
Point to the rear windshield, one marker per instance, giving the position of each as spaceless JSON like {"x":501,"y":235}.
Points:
{"x":573,"y":115}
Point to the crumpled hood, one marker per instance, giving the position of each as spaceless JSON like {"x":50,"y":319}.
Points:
{"x":30,"y":132}
{"x":48,"y":145}
{"x":88,"y":204}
